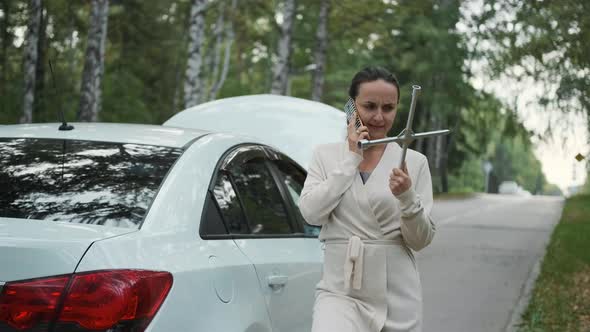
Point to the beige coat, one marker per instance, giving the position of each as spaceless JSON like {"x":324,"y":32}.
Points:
{"x":370,"y":280}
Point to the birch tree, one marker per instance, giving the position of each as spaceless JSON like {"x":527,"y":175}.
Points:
{"x":40,"y":66}
{"x":30,"y":59}
{"x":229,"y":40}
{"x":281,"y":68}
{"x":216,"y":55}
{"x":193,"y":85}
{"x":6,"y":40}
{"x":90,"y":92}
{"x":320,"y":52}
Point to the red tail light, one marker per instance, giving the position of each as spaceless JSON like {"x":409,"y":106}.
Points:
{"x":100,"y":300}
{"x":26,"y":304}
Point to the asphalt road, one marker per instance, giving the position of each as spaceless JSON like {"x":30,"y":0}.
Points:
{"x":474,"y":272}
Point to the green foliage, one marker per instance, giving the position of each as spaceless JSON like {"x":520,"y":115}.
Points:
{"x":560,"y":299}
{"x":586,"y":187}
{"x":547,"y":40}
{"x":552,"y":189}
{"x":469,"y":177}
{"x":146,"y":58}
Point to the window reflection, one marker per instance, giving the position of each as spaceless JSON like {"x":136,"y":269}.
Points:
{"x":228,"y":203}
{"x":294,"y":179}
{"x":260,"y":197}
{"x":80,"y":181}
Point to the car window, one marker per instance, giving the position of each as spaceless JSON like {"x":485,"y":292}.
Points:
{"x":229,"y":206}
{"x":260,"y":197}
{"x":81,"y":181}
{"x":213,"y":221}
{"x":294,"y":178}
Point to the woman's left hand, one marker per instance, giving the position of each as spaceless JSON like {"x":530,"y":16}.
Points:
{"x":399,"y":180}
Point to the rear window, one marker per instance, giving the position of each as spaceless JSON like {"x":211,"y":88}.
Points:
{"x":85,"y":182}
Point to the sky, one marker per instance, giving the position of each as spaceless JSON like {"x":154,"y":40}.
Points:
{"x":569,"y":134}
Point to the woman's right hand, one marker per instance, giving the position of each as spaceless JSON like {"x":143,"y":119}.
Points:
{"x":355,"y":135}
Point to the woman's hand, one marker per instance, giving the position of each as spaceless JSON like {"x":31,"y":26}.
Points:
{"x":355,"y":135}
{"x":399,"y":180}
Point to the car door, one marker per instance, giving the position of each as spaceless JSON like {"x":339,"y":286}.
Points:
{"x":286,"y":255}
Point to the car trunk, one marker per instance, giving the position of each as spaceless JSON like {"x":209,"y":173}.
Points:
{"x":34,"y":248}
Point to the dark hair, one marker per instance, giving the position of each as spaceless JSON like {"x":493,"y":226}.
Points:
{"x":371,"y":74}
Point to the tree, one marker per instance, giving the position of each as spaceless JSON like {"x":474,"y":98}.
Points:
{"x":40,"y":65}
{"x":90,"y":91}
{"x":281,"y":67}
{"x":31,"y":55}
{"x":545,"y":40}
{"x":193,"y":85}
{"x":149,"y":56}
{"x":229,"y":40}
{"x":5,"y":36}
{"x":320,"y":52}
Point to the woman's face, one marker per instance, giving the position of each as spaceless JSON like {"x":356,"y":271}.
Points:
{"x":377,"y":106}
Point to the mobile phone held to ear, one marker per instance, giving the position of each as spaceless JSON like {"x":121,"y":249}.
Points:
{"x":350,"y":110}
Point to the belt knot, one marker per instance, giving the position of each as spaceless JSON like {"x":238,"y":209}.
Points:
{"x":353,"y":266}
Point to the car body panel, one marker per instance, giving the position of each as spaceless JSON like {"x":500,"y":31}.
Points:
{"x":218,"y":284}
{"x":193,"y":303}
{"x":292,"y":125}
{"x":508,"y":187}
{"x":213,"y":279}
{"x":180,"y":199}
{"x":55,"y":248}
{"x":298,"y":263}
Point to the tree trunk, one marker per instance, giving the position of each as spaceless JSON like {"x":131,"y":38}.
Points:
{"x":73,"y":59}
{"x":193,"y":85}
{"x":30,"y":63}
{"x":216,"y":56}
{"x":320,"y":52}
{"x":40,"y":67}
{"x":442,"y":148}
{"x":90,"y":92}
{"x":422,"y":118}
{"x":229,"y":40}
{"x":6,"y":41}
{"x":431,"y":153}
{"x":177,"y":102}
{"x":281,"y":68}
{"x":431,"y":144}
{"x":177,"y":83}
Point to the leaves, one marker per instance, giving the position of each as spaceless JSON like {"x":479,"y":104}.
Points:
{"x":548,"y":39}
{"x":147,"y":46}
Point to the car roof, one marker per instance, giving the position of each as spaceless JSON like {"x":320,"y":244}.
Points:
{"x":292,"y":125}
{"x":107,"y":132}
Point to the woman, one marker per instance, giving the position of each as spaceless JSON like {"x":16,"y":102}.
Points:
{"x":370,"y":213}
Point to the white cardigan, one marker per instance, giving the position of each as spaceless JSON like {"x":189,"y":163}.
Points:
{"x":370,"y":280}
{"x":335,"y":197}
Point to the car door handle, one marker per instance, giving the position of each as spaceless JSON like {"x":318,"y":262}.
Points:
{"x":276,"y":281}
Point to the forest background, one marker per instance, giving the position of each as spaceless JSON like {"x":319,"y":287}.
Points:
{"x":142,"y":61}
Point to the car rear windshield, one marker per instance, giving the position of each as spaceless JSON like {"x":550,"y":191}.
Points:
{"x":99,"y":183}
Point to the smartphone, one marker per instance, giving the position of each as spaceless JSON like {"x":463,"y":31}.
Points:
{"x":350,"y":110}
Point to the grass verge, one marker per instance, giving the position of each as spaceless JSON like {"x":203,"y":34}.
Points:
{"x":455,"y":195}
{"x":561,"y":298}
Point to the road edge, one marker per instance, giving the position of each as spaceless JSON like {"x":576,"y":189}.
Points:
{"x":528,"y":287}
{"x":525,"y":296}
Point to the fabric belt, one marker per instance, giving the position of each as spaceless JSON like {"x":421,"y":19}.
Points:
{"x":353,"y":264}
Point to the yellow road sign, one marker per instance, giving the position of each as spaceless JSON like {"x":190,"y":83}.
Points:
{"x":579,"y":157}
